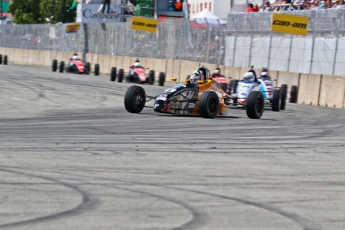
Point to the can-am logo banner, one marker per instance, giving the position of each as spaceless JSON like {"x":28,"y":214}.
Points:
{"x":86,"y":14}
{"x":144,"y":24}
{"x":71,"y":28}
{"x":290,"y":24}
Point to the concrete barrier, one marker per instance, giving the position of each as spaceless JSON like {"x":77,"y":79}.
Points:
{"x":186,"y":67}
{"x":332,"y":91}
{"x":119,"y":63}
{"x":232,"y":73}
{"x":101,"y":59}
{"x":169,"y":70}
{"x":112,"y":62}
{"x":160,"y":65}
{"x":176,"y":72}
{"x":10,"y":54}
{"x":18,"y":56}
{"x":88,"y":57}
{"x":126,"y":63}
{"x":106,"y":64}
{"x":25,"y":57}
{"x":309,"y":89}
{"x":287,"y":78}
{"x":33,"y":58}
{"x":94,"y":60}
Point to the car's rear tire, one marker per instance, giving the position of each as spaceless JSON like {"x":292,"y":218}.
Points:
{"x":151,"y":77}
{"x":283,"y":90}
{"x":0,"y":59}
{"x":54,"y":65}
{"x":208,"y":104}
{"x":61,"y":66}
{"x":255,"y":105}
{"x":161,"y":79}
{"x":276,"y":100}
{"x":87,"y":67}
{"x":293,"y":94}
{"x":96,"y":69}
{"x":135,"y":99}
{"x":113,"y":74}
{"x":5,"y":60}
{"x":120,"y":77}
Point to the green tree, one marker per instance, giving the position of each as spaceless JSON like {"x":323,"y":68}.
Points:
{"x":63,"y":13}
{"x":42,"y":11}
{"x":26,"y":12}
{"x":54,"y":11}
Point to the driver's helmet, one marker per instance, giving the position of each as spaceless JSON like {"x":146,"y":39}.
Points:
{"x":264,"y":74}
{"x":195,"y":77}
{"x":75,"y":57}
{"x":217,"y":71}
{"x":249,"y":76}
{"x":136,"y":64}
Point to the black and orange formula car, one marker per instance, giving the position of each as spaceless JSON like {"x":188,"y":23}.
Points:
{"x":206,"y":98}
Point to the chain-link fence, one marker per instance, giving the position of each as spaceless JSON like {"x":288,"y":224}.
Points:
{"x":175,"y":39}
{"x":251,"y":42}
{"x":246,"y":40}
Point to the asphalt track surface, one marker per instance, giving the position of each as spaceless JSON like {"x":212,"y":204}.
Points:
{"x":72,"y":157}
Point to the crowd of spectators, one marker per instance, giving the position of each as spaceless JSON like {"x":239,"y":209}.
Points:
{"x":288,"y":5}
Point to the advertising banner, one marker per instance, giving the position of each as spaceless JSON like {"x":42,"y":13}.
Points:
{"x":144,"y":24}
{"x":71,"y":28}
{"x":86,"y":13}
{"x":290,"y":24}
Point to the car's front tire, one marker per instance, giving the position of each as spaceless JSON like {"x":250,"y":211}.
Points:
{"x":283,"y":89}
{"x":255,"y":105}
{"x":135,"y":99}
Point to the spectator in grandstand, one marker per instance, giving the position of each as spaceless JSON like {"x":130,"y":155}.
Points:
{"x":336,"y":5}
{"x":329,"y":4}
{"x":322,"y":5}
{"x":256,"y":7}
{"x":314,"y":5}
{"x":267,"y":7}
{"x":250,"y":8}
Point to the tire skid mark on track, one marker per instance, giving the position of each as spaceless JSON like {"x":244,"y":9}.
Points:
{"x":88,"y":201}
{"x":197,"y":220}
{"x":305,"y":223}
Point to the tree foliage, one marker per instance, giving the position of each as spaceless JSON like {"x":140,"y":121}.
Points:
{"x":26,"y":12}
{"x":42,"y":11}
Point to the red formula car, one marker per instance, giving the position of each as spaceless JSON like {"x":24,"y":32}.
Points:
{"x":74,"y":65}
{"x":136,"y":74}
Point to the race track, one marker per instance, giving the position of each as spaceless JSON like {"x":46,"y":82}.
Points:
{"x":72,"y":157}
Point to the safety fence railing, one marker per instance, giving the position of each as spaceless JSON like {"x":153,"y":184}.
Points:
{"x":245,"y":40}
{"x":251,"y":42}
